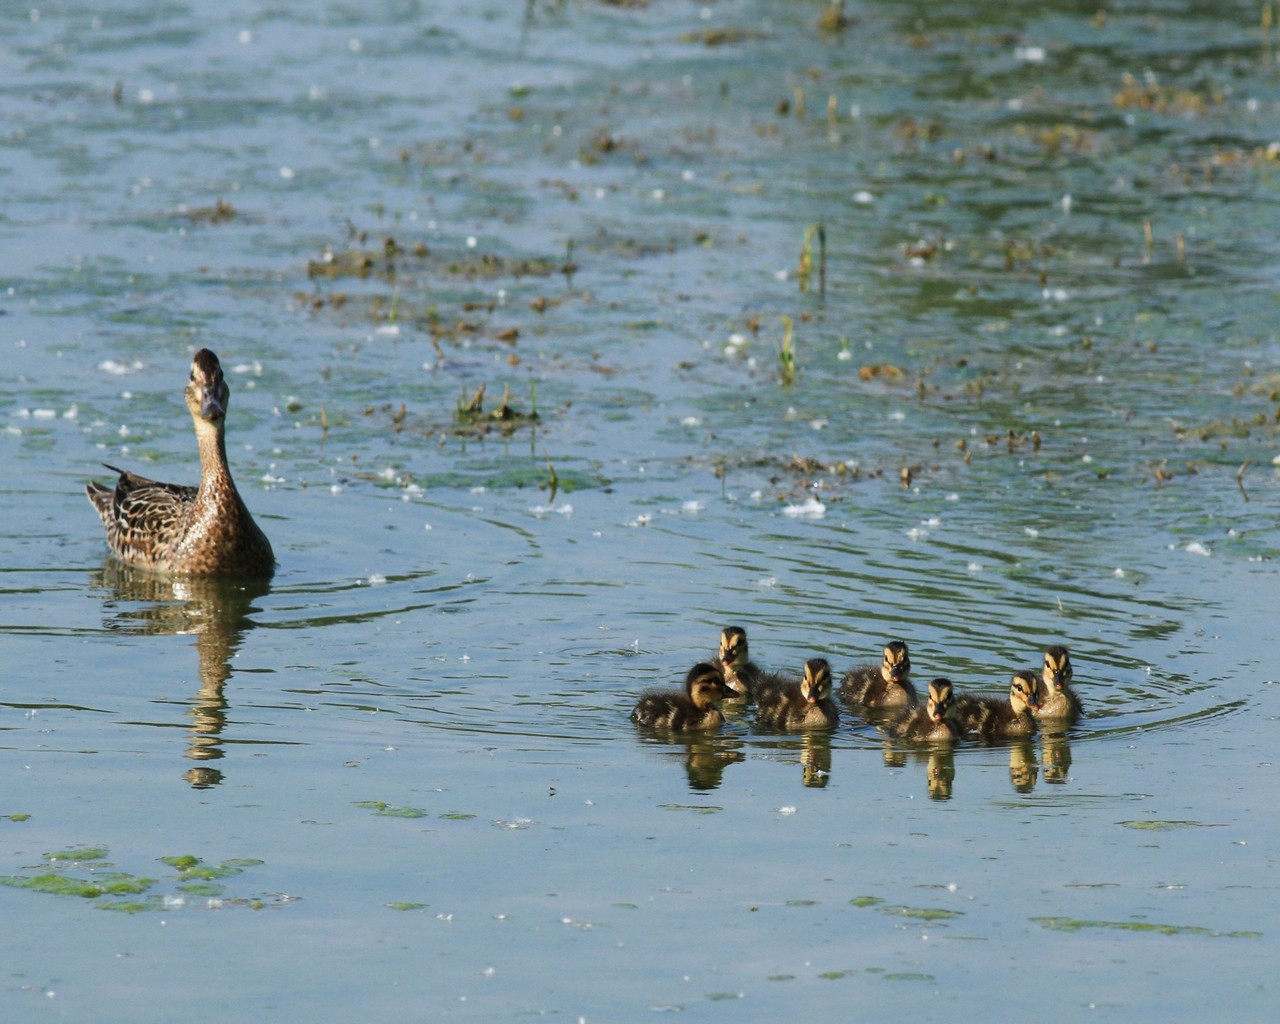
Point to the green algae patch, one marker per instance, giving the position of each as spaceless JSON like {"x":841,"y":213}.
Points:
{"x":923,"y":913}
{"x":865,"y":901}
{"x":406,"y":906}
{"x":1071,"y":924}
{"x":458,"y":816}
{"x":390,"y":810}
{"x":907,"y":976}
{"x":81,"y":853}
{"x":1163,"y":826}
{"x":132,"y":894}
{"x":17,"y":817}
{"x":694,"y":808}
{"x":190,"y":867}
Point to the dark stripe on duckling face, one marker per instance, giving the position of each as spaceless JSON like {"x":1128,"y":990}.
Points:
{"x":1024,"y":691}
{"x":941,"y":700}
{"x":705,"y":685}
{"x":1057,"y":667}
{"x":897,"y":662}
{"x":733,"y":646}
{"x":816,"y":685}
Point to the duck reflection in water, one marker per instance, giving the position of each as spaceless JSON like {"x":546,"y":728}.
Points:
{"x":941,"y":773}
{"x":218,"y":612}
{"x":706,"y":754}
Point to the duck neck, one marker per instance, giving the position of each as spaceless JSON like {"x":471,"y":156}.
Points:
{"x":215,"y":474}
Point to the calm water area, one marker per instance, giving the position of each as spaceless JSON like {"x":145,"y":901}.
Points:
{"x":560,"y":335}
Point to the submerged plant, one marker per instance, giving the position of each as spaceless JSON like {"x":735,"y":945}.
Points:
{"x":804,"y":269}
{"x":787,"y":353}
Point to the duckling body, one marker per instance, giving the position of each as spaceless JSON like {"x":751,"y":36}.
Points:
{"x":991,"y":718}
{"x":172,"y":528}
{"x":932,"y":722}
{"x":691,"y":710}
{"x":741,"y":675}
{"x":887,"y":685}
{"x":1058,"y":702}
{"x":804,"y":703}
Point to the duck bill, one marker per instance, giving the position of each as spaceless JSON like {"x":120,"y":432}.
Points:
{"x":210,"y":408}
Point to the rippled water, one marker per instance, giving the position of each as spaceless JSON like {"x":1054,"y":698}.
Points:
{"x":1035,"y":400}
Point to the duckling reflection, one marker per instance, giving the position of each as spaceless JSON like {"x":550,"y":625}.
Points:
{"x":740,"y":673}
{"x":941,"y":773}
{"x":1055,"y":758}
{"x":217,"y":611}
{"x":1024,"y":769}
{"x":707,"y":754}
{"x":811,"y":749}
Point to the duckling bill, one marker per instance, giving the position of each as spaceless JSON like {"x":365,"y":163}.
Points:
{"x":173,"y":528}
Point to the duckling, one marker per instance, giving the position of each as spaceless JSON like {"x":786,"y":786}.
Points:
{"x":887,"y":685}
{"x":991,"y":718}
{"x":803,"y":703}
{"x":1057,"y":699}
{"x":935,"y":721}
{"x":694,"y":709}
{"x":740,"y":673}
{"x":198,"y":531}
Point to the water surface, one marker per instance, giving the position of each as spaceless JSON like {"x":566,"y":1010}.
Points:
{"x":1035,"y":401}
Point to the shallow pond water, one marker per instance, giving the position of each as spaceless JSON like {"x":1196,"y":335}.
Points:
{"x":1034,"y":399}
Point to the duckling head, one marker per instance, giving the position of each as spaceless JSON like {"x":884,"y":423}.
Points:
{"x":705,"y":685}
{"x":816,"y":684}
{"x":207,"y":393}
{"x":897,"y":662}
{"x":733,"y":647}
{"x":941,"y":704}
{"x":1024,"y":692}
{"x":1057,"y":668}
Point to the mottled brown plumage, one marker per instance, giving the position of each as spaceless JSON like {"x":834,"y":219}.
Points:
{"x":803,"y":703}
{"x":172,"y":528}
{"x":695,"y":708}
{"x":935,"y":721}
{"x":991,"y":718}
{"x":887,"y":685}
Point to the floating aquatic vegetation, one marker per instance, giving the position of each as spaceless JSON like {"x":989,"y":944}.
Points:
{"x":387,"y":810}
{"x":1070,"y":924}
{"x":110,"y":888}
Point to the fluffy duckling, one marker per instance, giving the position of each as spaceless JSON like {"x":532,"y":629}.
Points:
{"x":935,"y":721}
{"x":1057,"y":700}
{"x":694,"y":709}
{"x":172,"y":528}
{"x":740,"y":673}
{"x":797,"y":703}
{"x":991,"y":718}
{"x":887,"y":685}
